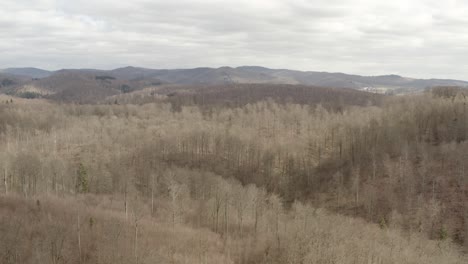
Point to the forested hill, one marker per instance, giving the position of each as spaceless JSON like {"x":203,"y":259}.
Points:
{"x":323,"y":174}
{"x":86,"y":84}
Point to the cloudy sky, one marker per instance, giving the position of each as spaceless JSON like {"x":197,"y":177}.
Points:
{"x":418,"y":38}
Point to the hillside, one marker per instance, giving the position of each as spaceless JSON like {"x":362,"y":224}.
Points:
{"x":91,"y":229}
{"x":240,"y":95}
{"x":238,"y":173}
{"x":9,"y":82}
{"x":28,"y":72}
{"x":254,"y":74}
{"x":138,"y":78}
{"x":80,"y":86}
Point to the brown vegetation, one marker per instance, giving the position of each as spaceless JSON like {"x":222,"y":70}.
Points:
{"x":202,"y":176}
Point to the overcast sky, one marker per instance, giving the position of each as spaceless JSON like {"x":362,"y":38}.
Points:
{"x":417,"y":38}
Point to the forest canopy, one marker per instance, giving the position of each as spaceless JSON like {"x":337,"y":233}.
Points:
{"x":259,"y":176}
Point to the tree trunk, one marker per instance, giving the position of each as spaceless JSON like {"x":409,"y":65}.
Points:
{"x":152,"y":197}
{"x":226,"y":218}
{"x":125,"y":203}
{"x":256,"y":219}
{"x":136,"y":240}
{"x":79,"y":238}
{"x":5,"y":179}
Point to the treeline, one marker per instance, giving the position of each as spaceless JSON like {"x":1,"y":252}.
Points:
{"x":239,"y":95}
{"x":213,"y":97}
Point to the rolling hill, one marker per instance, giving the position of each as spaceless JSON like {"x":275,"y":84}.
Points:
{"x":28,"y":71}
{"x":255,"y":74}
{"x":89,"y":85}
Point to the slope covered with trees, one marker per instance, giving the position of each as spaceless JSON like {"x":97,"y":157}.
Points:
{"x":237,"y":175}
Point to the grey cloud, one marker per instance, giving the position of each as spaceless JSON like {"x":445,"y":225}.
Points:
{"x":420,"y":38}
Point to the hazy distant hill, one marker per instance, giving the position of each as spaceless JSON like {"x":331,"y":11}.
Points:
{"x":252,"y":74}
{"x":255,"y":74}
{"x":29,"y":72}
{"x":88,"y":85}
{"x":195,"y":76}
{"x":9,"y":82}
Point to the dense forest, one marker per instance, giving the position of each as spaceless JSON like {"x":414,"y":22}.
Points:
{"x":236,"y":174}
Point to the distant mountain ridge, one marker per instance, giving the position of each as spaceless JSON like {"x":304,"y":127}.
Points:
{"x":252,"y":74}
{"x":28,"y":72}
{"x":93,"y":84}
